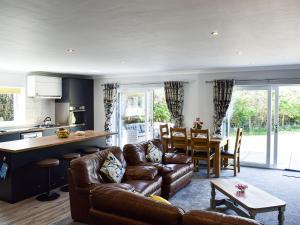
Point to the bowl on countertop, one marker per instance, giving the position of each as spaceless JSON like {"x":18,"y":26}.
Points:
{"x":62,"y":133}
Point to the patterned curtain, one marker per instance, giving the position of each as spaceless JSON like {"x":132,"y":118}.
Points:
{"x":110,"y":97}
{"x":222,"y":97}
{"x":174,"y":93}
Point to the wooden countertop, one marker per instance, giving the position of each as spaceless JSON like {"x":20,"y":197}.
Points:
{"x":48,"y":141}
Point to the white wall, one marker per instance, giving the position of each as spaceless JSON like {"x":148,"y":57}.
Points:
{"x":198,"y":94}
{"x":35,"y":109}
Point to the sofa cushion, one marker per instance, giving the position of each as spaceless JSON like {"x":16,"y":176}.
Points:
{"x":146,"y":187}
{"x":126,"y":204}
{"x":153,"y":153}
{"x":177,"y":158}
{"x":112,"y":168}
{"x":178,"y":170}
{"x":140,"y":173}
{"x":213,"y":218}
{"x":86,"y":169}
{"x":135,"y":153}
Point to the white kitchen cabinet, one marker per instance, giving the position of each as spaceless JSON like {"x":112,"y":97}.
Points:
{"x":44,"y":87}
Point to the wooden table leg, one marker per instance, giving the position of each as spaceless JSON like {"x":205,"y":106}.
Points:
{"x":281,"y":215}
{"x":252,"y":214}
{"x":213,"y":197}
{"x":226,"y":147}
{"x":217,"y":160}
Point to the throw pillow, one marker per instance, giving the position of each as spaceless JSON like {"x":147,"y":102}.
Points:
{"x":153,"y":153}
{"x":160,"y":199}
{"x":113,"y":169}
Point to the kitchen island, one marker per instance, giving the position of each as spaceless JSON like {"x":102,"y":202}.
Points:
{"x":24,"y":179}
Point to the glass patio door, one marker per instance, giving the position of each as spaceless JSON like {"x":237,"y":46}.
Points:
{"x":287,"y":127}
{"x":251,"y":109}
{"x":135,"y":116}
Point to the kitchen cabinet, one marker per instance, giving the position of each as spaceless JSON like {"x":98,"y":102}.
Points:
{"x":44,"y":87}
{"x":10,"y":137}
{"x":79,"y":92}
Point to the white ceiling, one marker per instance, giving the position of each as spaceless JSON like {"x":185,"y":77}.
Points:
{"x":142,"y":36}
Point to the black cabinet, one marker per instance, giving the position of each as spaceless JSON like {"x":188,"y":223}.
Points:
{"x":10,"y":137}
{"x":80,"y":92}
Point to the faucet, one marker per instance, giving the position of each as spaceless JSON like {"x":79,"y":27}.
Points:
{"x":47,"y":120}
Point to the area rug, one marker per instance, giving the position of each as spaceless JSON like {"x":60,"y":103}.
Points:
{"x":284,"y":185}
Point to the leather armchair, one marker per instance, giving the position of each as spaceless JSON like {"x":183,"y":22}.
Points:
{"x":176,"y":168}
{"x":84,"y":175}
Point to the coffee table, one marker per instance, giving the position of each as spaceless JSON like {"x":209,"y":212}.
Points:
{"x":251,"y":202}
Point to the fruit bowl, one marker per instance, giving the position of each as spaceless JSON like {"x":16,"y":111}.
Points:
{"x":62,"y":133}
{"x":241,"y":187}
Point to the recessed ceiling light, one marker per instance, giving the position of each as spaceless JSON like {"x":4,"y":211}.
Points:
{"x":70,"y":50}
{"x":239,"y":52}
{"x":123,"y":62}
{"x":214,"y":33}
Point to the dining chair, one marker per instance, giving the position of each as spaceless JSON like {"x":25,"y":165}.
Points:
{"x":200,"y":146}
{"x":235,"y":154}
{"x":164,"y":131}
{"x":179,"y":141}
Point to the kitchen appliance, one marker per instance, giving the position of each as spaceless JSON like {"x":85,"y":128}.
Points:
{"x":32,"y":135}
{"x":77,"y":115}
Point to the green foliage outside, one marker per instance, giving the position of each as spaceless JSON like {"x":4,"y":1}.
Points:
{"x":161,"y":112}
{"x":6,"y":107}
{"x":249,"y":110}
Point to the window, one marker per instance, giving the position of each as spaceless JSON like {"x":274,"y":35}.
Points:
{"x":11,"y":105}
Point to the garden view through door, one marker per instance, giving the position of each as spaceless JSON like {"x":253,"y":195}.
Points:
{"x":140,"y":113}
{"x":270,"y":117}
{"x":288,"y":125}
{"x":250,"y":110}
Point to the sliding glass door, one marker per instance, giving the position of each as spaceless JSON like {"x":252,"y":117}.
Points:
{"x":287,"y":127}
{"x":140,"y":111}
{"x":135,"y":120}
{"x":270,"y":117}
{"x":250,"y":109}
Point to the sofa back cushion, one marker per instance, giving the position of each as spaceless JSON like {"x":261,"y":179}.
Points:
{"x":136,"y":153}
{"x":135,"y":206}
{"x":86,"y":170}
{"x":213,"y":218}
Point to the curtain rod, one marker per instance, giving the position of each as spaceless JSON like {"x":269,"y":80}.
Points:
{"x":268,"y":80}
{"x":144,"y":83}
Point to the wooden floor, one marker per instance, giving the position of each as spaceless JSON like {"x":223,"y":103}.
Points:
{"x":33,"y":212}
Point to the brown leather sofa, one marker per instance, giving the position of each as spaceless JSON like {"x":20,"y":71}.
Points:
{"x":112,"y":205}
{"x":84,"y":176}
{"x":176,"y":168}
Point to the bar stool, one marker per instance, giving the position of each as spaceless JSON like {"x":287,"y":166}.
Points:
{"x":90,"y":150}
{"x":69,"y":157}
{"x":48,"y":164}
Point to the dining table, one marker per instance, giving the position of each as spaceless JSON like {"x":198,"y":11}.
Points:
{"x":215,"y":143}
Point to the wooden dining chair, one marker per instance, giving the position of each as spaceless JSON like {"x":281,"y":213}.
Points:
{"x":164,"y":131}
{"x":200,"y":146}
{"x":235,"y":154}
{"x":179,"y":141}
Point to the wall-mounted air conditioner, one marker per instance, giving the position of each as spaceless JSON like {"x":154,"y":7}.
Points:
{"x":44,"y":87}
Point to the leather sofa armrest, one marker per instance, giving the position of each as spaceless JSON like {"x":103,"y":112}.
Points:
{"x":214,"y":218}
{"x":112,"y":201}
{"x":176,"y":158}
{"x":140,"y":173}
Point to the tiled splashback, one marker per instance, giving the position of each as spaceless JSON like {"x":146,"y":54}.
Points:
{"x":38,"y":109}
